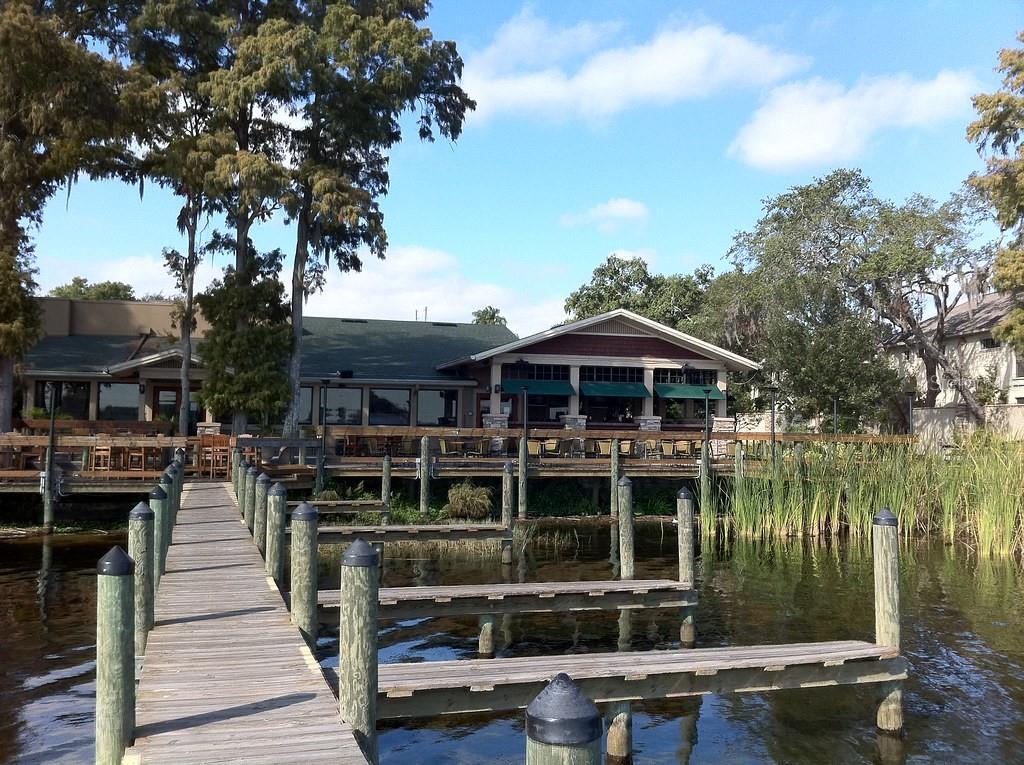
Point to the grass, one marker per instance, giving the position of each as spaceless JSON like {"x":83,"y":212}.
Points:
{"x":974,"y":495}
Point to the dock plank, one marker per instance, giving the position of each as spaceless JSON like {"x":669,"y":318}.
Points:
{"x":227,"y":678}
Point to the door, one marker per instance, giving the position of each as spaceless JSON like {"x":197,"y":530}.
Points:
{"x":167,"y":402}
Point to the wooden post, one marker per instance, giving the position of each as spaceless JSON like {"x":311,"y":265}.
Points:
{"x":385,"y":490}
{"x":485,"y":643}
{"x":259,"y":521}
{"x":887,"y":611}
{"x":357,"y":644}
{"x":158,"y":504}
{"x":140,"y":550}
{"x":166,"y":483}
{"x":705,"y":477}
{"x":614,"y":459}
{"x":277,"y":500}
{"x":507,"y":518}
{"x":625,"y":492}
{"x":563,"y":727}
{"x":739,"y":460}
{"x":174,"y":495}
{"x":236,"y":459}
{"x":115,"y":656}
{"x":619,"y":715}
{"x":524,"y":471}
{"x":684,"y":521}
{"x":305,"y":571}
{"x":249,"y":503}
{"x":424,"y":477}
{"x":239,"y":480}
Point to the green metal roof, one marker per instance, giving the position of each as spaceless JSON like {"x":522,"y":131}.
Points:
{"x":89,"y":354}
{"x":616,"y":389}
{"x":669,"y":390}
{"x":538,"y":387}
{"x":391,"y":350}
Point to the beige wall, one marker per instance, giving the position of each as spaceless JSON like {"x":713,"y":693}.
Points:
{"x":939,"y":427}
{"x":63,"y":317}
{"x":975,"y":361}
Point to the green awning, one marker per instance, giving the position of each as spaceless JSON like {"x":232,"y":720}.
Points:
{"x":538,"y":387}
{"x":617,"y":389}
{"x":669,"y":390}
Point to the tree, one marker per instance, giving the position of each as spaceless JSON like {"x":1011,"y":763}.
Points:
{"x":245,"y":366}
{"x":627,"y":283}
{"x":80,"y":289}
{"x":60,"y":115}
{"x":489,"y":315}
{"x":903,"y":267}
{"x":364,"y":65}
{"x":1000,"y":129}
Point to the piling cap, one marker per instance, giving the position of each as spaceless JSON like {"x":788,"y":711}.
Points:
{"x":158,"y":493}
{"x":173,"y":468}
{"x":562,"y":714}
{"x":244,"y":464}
{"x":624,"y":481}
{"x":179,"y":452}
{"x":264,"y":478}
{"x":141,"y":512}
{"x":115,"y":563}
{"x":685,"y":493}
{"x":884,"y":517}
{"x":252,"y":471}
{"x":508,"y":466}
{"x":305,"y":512}
{"x":278,"y":490}
{"x":166,"y":479}
{"x":360,"y":553}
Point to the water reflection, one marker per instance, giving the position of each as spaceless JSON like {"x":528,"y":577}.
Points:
{"x":963,"y":632}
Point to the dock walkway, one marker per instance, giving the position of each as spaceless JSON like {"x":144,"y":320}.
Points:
{"x":227,"y":677}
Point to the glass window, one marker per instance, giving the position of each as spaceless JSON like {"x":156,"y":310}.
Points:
{"x":305,"y":405}
{"x":167,"y":404}
{"x":612,"y":374}
{"x":437,"y":407}
{"x":1020,"y":365}
{"x":344,"y":406}
{"x":688,"y":376}
{"x":118,"y":401}
{"x":389,"y":406}
{"x":535,"y":371}
{"x":990,"y":343}
{"x":72,"y":399}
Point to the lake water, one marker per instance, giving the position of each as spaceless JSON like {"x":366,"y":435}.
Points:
{"x":963,"y":634}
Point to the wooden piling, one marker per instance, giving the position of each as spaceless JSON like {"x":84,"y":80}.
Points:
{"x":277,"y":500}
{"x":887,"y":611}
{"x":684,"y":521}
{"x":249,"y":502}
{"x":563,"y":727}
{"x":357,"y":644}
{"x":507,"y":519}
{"x":705,"y":477}
{"x":424,"y":477}
{"x":305,"y":571}
{"x":167,"y":484}
{"x":140,"y":550}
{"x":236,"y":458}
{"x":485,"y":642}
{"x":385,"y":490}
{"x":524,"y":471}
{"x":115,"y":656}
{"x":738,"y":456}
{"x":619,"y":717}
{"x":613,"y":508}
{"x":158,"y":504}
{"x":173,"y":494}
{"x":239,"y":482}
{"x":625,"y":494}
{"x":259,"y":521}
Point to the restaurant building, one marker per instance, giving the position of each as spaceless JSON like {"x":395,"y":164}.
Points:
{"x":119,"y":361}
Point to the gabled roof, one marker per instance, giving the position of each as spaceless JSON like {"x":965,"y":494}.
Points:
{"x":731,"y":360}
{"x":173,"y":352}
{"x":91,"y":354}
{"x":377,"y":349}
{"x":969,"y":318}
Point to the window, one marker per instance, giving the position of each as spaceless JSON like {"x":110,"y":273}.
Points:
{"x":305,"y":405}
{"x":344,"y":406}
{"x":686,"y":377}
{"x":118,"y":401}
{"x":990,"y":343}
{"x":1019,"y":371}
{"x":72,"y":399}
{"x":389,"y":406}
{"x":535,"y":372}
{"x":612,"y":374}
{"x":437,"y":407}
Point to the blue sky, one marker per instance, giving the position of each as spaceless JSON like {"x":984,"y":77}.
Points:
{"x":651,"y":129}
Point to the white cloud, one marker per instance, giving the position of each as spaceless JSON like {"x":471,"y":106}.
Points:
{"x":609,"y":216}
{"x":413,"y":277}
{"x":817,"y":121}
{"x":646,"y":254}
{"x":145,"y":273}
{"x":527,"y":68}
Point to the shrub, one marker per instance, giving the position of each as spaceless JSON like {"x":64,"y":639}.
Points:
{"x":469,"y":501}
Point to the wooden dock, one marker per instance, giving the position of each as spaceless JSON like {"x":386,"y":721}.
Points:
{"x":531,"y":597}
{"x":427,"y":689}
{"x":226,"y":676}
